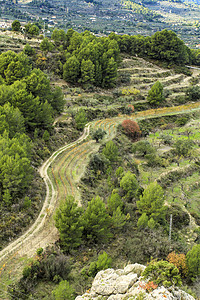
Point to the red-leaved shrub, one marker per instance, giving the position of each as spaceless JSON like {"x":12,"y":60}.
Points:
{"x":131,"y":128}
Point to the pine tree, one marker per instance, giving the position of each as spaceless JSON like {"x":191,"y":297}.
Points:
{"x":130,"y":185}
{"x":114,"y":201}
{"x":97,"y":222}
{"x":151,"y":203}
{"x":193,"y":262}
{"x":69,"y":223}
{"x":110,"y":75}
{"x":155,"y":95}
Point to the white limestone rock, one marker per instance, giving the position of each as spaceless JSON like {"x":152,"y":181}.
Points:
{"x":124,"y":282}
{"x":134,"y":268}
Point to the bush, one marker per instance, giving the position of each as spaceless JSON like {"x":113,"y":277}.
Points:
{"x":162,"y":273}
{"x":47,"y":266}
{"x":183,"y":147}
{"x":131,"y":129}
{"x":110,"y":151}
{"x":103,"y":263}
{"x":80,"y":119}
{"x":193,"y":262}
{"x":98,"y":163}
{"x":64,"y":291}
{"x":166,"y":139}
{"x":179,"y":260}
{"x":181,"y":121}
{"x":130,"y":185}
{"x":180,"y":99}
{"x":154,"y":160}
{"x":55,"y":265}
{"x":142,"y":246}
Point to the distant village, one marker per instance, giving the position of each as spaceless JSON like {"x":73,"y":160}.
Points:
{"x":5,"y":25}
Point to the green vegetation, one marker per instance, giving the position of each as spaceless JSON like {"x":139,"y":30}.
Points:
{"x":193,"y":262}
{"x":80,"y":119}
{"x":98,"y":134}
{"x":64,"y":291}
{"x":96,"y":222}
{"x":155,"y":94}
{"x":163,"y":45}
{"x":88,"y":59}
{"x":16,"y":25}
{"x":151,"y":206}
{"x":104,"y":262}
{"x":69,"y":223}
{"x":162,"y":273}
{"x":32,"y":29}
{"x":115,"y":196}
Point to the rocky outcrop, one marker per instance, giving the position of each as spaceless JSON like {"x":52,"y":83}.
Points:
{"x":127,"y":284}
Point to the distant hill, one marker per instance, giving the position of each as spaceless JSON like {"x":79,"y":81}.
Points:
{"x":102,"y":17}
{"x":193,"y":1}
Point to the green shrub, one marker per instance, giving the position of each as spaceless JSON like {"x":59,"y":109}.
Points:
{"x":39,"y":251}
{"x":180,"y":99}
{"x":104,"y":262}
{"x":153,"y":160}
{"x":162,"y":273}
{"x":80,"y":119}
{"x":155,"y":94}
{"x":166,"y":139}
{"x":64,"y":291}
{"x":110,"y":151}
{"x":193,"y":93}
{"x":98,"y":134}
{"x":193,"y":262}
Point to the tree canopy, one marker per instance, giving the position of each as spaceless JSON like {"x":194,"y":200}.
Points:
{"x":28,"y":90}
{"x":89,"y":60}
{"x":163,"y":45}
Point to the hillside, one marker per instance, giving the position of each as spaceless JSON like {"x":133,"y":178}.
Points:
{"x":116,"y":148}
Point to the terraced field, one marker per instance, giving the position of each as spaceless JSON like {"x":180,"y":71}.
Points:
{"x":144,"y":74}
{"x":10,"y":40}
